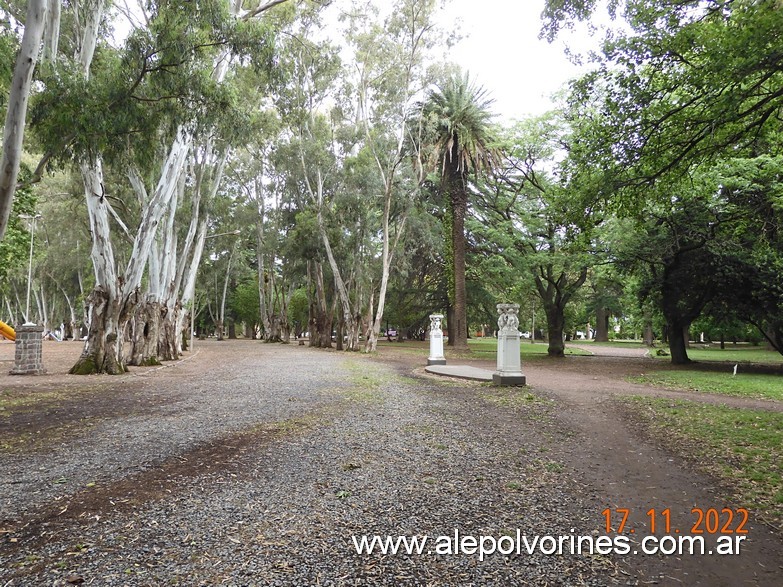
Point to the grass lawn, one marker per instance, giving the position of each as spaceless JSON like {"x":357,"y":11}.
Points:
{"x":742,"y":447}
{"x":623,"y":344}
{"x":487,"y":348}
{"x":739,"y":354}
{"x":743,"y":385}
{"x":480,"y":348}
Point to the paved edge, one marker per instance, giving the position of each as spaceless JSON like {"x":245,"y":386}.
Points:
{"x":460,"y":371}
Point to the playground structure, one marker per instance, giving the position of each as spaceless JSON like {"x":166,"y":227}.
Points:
{"x":6,"y":331}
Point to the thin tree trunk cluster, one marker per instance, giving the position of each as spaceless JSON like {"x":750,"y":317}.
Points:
{"x":149,"y":323}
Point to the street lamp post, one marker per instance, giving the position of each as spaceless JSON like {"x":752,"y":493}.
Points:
{"x":28,"y":322}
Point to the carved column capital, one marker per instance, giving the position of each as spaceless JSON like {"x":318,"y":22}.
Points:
{"x":508,"y":317}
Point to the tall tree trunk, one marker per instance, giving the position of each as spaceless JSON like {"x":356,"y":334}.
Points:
{"x":13,"y":133}
{"x":70,"y":324}
{"x":555,"y":292}
{"x":371,"y":342}
{"x":52,"y":31}
{"x":266,"y":326}
{"x":342,"y":290}
{"x":555,"y":319}
{"x":773,"y":333}
{"x":649,"y":338}
{"x":101,"y":353}
{"x":196,"y":237}
{"x":123,"y":291}
{"x":450,"y":324}
{"x":285,"y":325}
{"x":144,"y":333}
{"x":322,"y":315}
{"x":677,"y":344}
{"x":220,"y":323}
{"x":387,"y":254}
{"x":601,"y":325}
{"x":459,"y":208}
{"x":169,"y":335}
{"x":107,"y":323}
{"x":339,"y":333}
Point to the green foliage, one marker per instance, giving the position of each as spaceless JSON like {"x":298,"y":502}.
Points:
{"x":244,"y":302}
{"x":742,"y":385}
{"x":164,"y":77}
{"x":690,"y":83}
{"x":298,"y":309}
{"x":677,"y":129}
{"x":544,"y":230}
{"x":8,"y":49}
{"x":15,"y":246}
{"x":456,"y":121}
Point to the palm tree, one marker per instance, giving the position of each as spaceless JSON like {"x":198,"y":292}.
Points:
{"x":457,"y":130}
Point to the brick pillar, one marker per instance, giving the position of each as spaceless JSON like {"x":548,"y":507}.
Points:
{"x":29,"y":344}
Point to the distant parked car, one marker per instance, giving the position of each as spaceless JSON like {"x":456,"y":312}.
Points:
{"x":390,"y":334}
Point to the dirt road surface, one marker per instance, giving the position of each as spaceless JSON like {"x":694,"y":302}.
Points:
{"x":254,"y":464}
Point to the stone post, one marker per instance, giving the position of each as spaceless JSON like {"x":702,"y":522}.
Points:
{"x":509,"y":370}
{"x":29,"y":343}
{"x":436,"y":341}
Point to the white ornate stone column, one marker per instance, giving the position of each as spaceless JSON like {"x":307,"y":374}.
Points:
{"x":436,"y":341}
{"x":509,"y":370}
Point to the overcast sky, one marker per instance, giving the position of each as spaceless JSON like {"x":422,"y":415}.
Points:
{"x":501,"y":50}
{"x":503,"y":53}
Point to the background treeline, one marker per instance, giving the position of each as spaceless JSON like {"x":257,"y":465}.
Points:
{"x":228,"y":165}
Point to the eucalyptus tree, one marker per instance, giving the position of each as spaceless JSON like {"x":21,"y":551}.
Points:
{"x":302,"y":245}
{"x":250,"y":174}
{"x":162,"y":89}
{"x":323,"y":137}
{"x":16,"y":105}
{"x":456,"y":120}
{"x":390,"y":59}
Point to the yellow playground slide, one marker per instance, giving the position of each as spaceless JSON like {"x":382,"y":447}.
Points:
{"x":7,"y":331}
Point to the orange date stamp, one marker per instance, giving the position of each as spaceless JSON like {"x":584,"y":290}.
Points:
{"x":704,"y":521}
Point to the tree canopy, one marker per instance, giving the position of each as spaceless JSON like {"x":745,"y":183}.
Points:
{"x":228,"y":164}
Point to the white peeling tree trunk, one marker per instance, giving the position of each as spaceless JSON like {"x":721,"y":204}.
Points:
{"x":168,"y":340}
{"x":153,"y":325}
{"x":117,"y":298}
{"x":52,"y":31}
{"x":13,"y":133}
{"x":113,"y":299}
{"x":342,"y":291}
{"x":205,"y":190}
{"x":352,"y":343}
{"x":103,"y":347}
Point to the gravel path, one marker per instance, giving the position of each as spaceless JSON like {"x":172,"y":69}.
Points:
{"x":600,"y":350}
{"x":259,"y":472}
{"x":254,"y":464}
